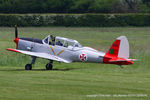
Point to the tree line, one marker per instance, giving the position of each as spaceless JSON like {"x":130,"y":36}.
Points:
{"x":74,"y":6}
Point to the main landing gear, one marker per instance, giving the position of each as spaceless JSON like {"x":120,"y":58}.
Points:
{"x":29,"y":66}
{"x":49,"y":66}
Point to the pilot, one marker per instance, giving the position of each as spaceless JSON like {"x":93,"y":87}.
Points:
{"x":76,"y":45}
{"x":59,"y":43}
{"x":53,"y":40}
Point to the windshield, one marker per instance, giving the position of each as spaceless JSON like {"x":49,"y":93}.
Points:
{"x":60,"y":41}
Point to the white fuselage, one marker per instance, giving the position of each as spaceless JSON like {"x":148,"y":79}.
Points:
{"x":73,"y":54}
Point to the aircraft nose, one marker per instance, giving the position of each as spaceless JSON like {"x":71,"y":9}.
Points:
{"x":16,"y":40}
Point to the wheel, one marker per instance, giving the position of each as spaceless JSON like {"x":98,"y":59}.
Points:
{"x":49,"y":66}
{"x":28,"y":67}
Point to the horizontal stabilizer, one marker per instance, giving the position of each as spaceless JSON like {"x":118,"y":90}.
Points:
{"x":122,"y":60}
{"x":132,"y":59}
{"x":117,"y":60}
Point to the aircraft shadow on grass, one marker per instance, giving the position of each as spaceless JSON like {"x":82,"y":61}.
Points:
{"x":55,"y":69}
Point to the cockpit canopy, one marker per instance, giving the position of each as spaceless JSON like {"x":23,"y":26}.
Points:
{"x":61,"y":41}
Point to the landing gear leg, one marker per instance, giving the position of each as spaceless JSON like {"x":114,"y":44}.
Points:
{"x":49,"y":66}
{"x":29,"y":66}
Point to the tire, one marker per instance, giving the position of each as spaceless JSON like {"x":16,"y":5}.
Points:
{"x":28,"y":67}
{"x":49,"y":66}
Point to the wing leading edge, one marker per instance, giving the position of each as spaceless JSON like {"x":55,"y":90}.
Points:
{"x":41,"y":55}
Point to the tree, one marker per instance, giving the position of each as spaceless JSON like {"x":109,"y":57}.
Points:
{"x":127,"y":6}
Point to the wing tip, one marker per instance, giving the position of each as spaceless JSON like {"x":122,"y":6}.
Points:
{"x":14,"y":50}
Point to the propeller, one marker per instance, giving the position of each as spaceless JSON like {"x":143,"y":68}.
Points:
{"x":16,"y":32}
{"x":16,"y":40}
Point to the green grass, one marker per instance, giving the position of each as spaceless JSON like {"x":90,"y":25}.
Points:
{"x":76,"y":80}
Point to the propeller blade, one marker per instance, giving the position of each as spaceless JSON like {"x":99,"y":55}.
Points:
{"x":16,"y":31}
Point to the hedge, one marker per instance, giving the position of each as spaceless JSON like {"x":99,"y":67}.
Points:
{"x":75,"y":20}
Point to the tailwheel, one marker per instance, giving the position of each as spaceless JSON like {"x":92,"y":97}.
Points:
{"x":49,"y":66}
{"x":28,"y":67}
{"x":121,"y":66}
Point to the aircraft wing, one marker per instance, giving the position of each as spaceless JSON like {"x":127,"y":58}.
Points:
{"x":41,"y":55}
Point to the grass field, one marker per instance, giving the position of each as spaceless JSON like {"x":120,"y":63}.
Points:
{"x":76,"y":81}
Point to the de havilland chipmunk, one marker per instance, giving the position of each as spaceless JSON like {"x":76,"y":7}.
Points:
{"x":67,"y":50}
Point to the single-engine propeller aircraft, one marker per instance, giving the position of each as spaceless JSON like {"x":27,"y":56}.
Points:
{"x":67,"y":50}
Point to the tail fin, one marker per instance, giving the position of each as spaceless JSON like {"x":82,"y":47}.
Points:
{"x":120,"y":48}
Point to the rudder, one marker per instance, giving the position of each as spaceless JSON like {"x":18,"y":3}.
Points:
{"x":120,"y":48}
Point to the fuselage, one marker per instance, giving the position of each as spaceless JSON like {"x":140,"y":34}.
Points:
{"x":70,"y":53}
